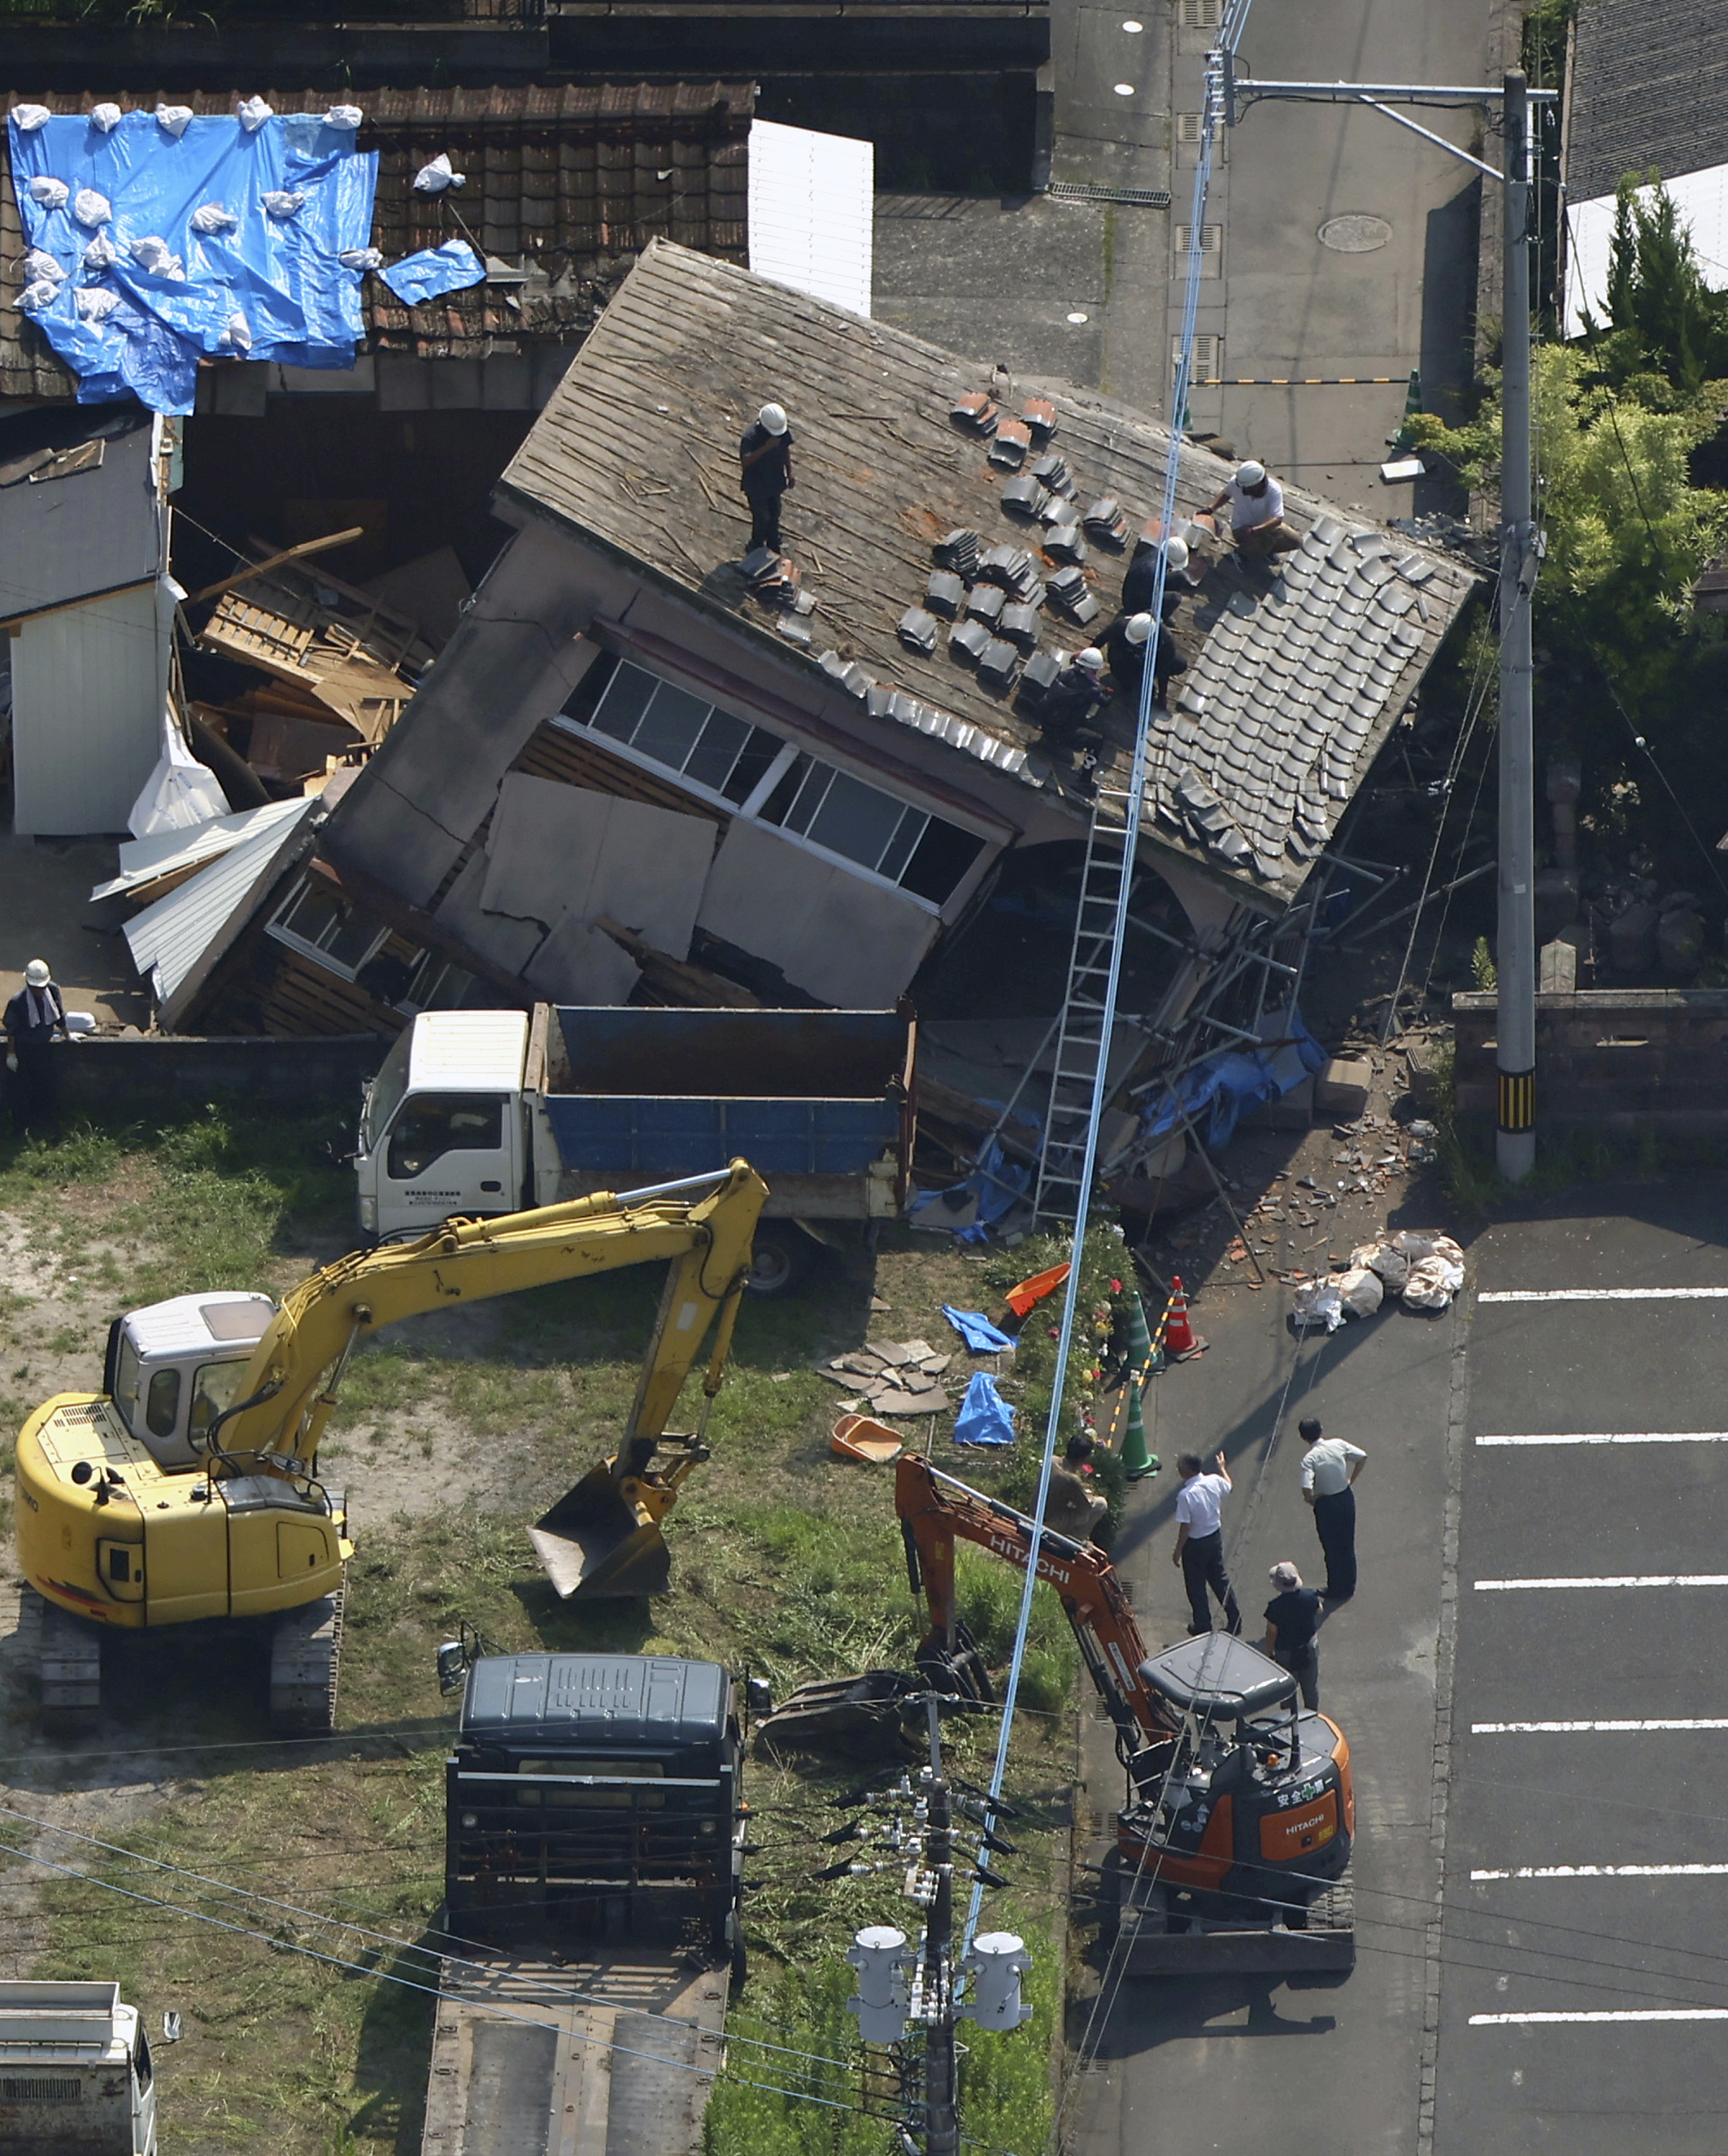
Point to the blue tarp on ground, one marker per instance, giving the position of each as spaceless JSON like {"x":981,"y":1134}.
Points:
{"x":433,"y":271}
{"x":266,"y":285}
{"x":975,"y":1329}
{"x":985,"y":1417}
{"x":1237,"y":1079}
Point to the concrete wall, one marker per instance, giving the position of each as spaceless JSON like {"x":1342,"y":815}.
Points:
{"x":1625,"y":1061}
{"x":140,"y":1075}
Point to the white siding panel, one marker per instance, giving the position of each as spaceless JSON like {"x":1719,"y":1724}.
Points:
{"x":89,"y":686}
{"x":164,"y":853}
{"x":812,"y":198}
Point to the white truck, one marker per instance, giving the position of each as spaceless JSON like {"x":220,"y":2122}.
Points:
{"x":486,"y":1112}
{"x":75,"y":2078}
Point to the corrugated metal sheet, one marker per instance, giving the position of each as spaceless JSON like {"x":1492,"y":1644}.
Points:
{"x":812,"y":201}
{"x":176,"y":941}
{"x":89,"y":687}
{"x":166,"y":853}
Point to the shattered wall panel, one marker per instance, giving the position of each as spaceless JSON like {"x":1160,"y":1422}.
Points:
{"x":853,"y":944}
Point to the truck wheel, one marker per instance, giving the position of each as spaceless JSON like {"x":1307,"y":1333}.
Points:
{"x":779,"y":1258}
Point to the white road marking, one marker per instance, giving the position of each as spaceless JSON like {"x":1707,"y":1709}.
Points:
{"x":1618,"y":1579}
{"x":1625,"y":2014}
{"x":1619,"y":1437}
{"x":1603,"y":1295}
{"x":1607,"y":1871}
{"x":1572,"y":1729}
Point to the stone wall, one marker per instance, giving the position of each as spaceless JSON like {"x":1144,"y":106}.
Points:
{"x":1625,"y":1061}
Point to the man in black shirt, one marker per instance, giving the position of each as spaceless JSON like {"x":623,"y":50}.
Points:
{"x":1292,"y":1618}
{"x":32,"y":1018}
{"x":765,"y":472}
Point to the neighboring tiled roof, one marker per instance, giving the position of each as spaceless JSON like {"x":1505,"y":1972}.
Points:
{"x":1649,"y":87}
{"x":1295,"y":678}
{"x":568,"y":181}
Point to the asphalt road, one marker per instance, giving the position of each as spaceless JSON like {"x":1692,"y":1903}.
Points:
{"x":1333,"y":2067}
{"x":1582,"y":1991}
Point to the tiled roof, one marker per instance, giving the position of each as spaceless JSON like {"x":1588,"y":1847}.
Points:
{"x":1295,"y":678}
{"x":1650,"y":86}
{"x":568,"y":181}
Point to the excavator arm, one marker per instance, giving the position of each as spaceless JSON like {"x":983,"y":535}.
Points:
{"x":934,"y":1510}
{"x":705,"y":1227}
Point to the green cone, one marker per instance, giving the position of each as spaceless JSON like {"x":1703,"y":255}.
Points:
{"x":1143,"y":1359}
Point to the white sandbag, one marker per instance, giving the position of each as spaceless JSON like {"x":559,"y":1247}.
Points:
{"x":52,"y":194}
{"x":433,"y":178}
{"x":1432,"y":1283}
{"x":101,"y":253}
{"x":105,"y":116}
{"x":1317,"y":1302}
{"x":91,"y":209}
{"x":174,"y":119}
{"x":362,"y":257}
{"x":1359,"y":1292}
{"x":348,"y":116}
{"x":283,"y":202}
{"x":28,"y":118}
{"x":252,"y":113}
{"x":94,"y":302}
{"x":38,"y":264}
{"x":213,"y":216}
{"x":237,"y":335}
{"x":43,"y":292}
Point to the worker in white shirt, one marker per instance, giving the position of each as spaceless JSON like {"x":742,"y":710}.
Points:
{"x":1199,"y":1539}
{"x":1256,"y":512}
{"x":1329,"y":1468}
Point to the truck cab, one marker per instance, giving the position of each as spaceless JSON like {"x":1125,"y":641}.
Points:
{"x":441,"y":1127}
{"x":76,"y":2077}
{"x":596,"y":1795}
{"x":173,"y":1367}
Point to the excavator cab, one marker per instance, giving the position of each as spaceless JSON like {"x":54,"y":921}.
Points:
{"x":173,"y":1367}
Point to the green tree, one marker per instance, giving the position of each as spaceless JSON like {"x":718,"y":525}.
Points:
{"x":1663,"y":317}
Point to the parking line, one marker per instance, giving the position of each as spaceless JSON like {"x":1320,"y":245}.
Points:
{"x":1619,"y":1579}
{"x":1619,"y":1437}
{"x":1607,"y":1871}
{"x":1624,"y":2014}
{"x":1590,"y":1729}
{"x":1602,"y":1295}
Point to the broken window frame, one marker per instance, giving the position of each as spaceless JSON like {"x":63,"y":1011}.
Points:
{"x":280,"y":926}
{"x":794,"y":782}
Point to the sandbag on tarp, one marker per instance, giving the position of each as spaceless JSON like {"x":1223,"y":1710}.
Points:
{"x":263,"y":281}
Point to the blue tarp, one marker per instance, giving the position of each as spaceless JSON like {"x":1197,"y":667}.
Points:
{"x":985,"y":1417}
{"x":1237,"y":1079}
{"x":433,"y":271}
{"x":998,"y":1185}
{"x":268,"y":287}
{"x":975,"y":1329}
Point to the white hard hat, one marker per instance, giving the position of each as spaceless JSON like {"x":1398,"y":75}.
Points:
{"x":1176,"y":555}
{"x":1091,"y":658}
{"x":1139,"y":628}
{"x":773,"y":417}
{"x":37,"y":973}
{"x":1250,"y":474}
{"x":1285,"y":1575}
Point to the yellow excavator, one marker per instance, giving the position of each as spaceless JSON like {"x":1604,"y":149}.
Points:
{"x":188,"y":1489}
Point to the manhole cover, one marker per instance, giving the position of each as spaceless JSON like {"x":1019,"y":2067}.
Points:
{"x":1355,"y":235}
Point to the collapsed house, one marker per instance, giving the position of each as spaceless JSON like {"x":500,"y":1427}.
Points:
{"x":790,"y":785}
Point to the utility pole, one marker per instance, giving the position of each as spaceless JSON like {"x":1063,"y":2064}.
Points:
{"x":942,"y":2091}
{"x":1515,"y":965}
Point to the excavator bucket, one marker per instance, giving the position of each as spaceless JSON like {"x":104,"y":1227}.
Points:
{"x":594,"y":1543}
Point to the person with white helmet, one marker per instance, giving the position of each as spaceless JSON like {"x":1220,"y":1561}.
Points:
{"x":1143,"y":571}
{"x":34,"y":1018}
{"x":1256,"y":511}
{"x":1129,"y":640}
{"x":1073,"y":697}
{"x":765,"y":472}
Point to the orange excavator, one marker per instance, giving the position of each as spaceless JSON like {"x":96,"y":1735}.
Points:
{"x":1234,"y":1846}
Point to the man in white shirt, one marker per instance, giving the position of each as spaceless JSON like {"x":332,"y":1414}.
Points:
{"x":1329,"y":1468}
{"x":1256,"y":512}
{"x":1199,"y":1539}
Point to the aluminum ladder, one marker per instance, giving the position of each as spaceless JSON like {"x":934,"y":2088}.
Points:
{"x":1082,"y":1029}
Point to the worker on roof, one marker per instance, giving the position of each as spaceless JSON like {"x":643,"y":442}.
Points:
{"x":765,"y":472}
{"x":1074,"y":698}
{"x":1256,"y":512}
{"x":1143,"y":570}
{"x":1127,"y":641}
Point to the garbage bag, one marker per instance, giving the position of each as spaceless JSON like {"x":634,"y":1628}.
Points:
{"x":1432,"y":1283}
{"x":985,"y":1417}
{"x":1359,"y":1292}
{"x":1392,"y":1265}
{"x":1317,"y":1302}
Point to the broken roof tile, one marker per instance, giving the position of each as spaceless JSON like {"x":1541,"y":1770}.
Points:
{"x":967,"y":643}
{"x":1039,"y":415}
{"x":1053,"y":470}
{"x":998,"y":663}
{"x":1062,"y":542}
{"x":945,"y":593}
{"x":1105,"y":522}
{"x":1013,"y":440}
{"x":1020,"y":625}
{"x":986,"y":602}
{"x":919,"y":629}
{"x":977,"y":410}
{"x":958,"y":552}
{"x":1025,"y":496}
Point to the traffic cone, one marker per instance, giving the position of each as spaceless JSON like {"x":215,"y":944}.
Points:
{"x":1412,"y":404}
{"x":1143,"y":1358}
{"x":1181,"y":1343}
